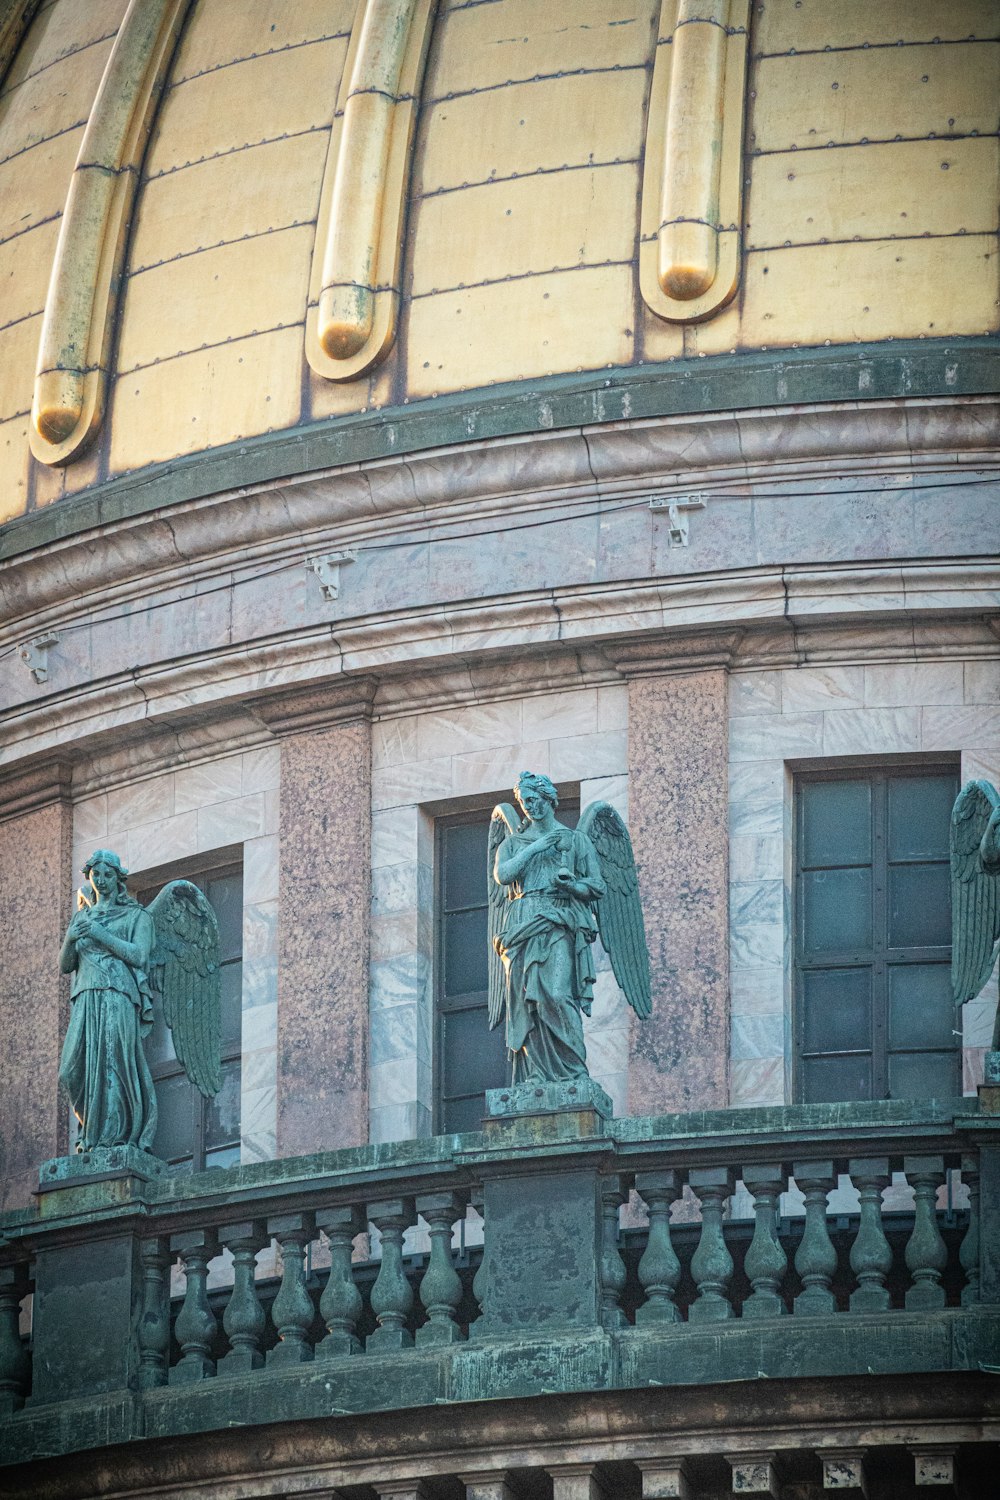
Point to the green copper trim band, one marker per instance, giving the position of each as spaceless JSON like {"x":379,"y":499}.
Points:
{"x":867,"y":372}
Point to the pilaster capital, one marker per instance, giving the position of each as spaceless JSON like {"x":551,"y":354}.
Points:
{"x":312,"y":706}
{"x":675,"y":656}
{"x":35,"y":786}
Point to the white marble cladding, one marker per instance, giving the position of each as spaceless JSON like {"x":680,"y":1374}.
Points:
{"x":828,"y":712}
{"x":188,"y":813}
{"x":469,"y":752}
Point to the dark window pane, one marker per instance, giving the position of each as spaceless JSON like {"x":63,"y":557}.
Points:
{"x":232,"y":1006}
{"x":225,"y":1156}
{"x":919,"y":906}
{"x":174,"y":1126}
{"x":828,"y":1080}
{"x":923,"y":1075}
{"x":836,"y":823}
{"x":465,"y":937}
{"x":475,"y":1058}
{"x":836,"y":1010}
{"x":222,"y":1114}
{"x":836,"y":911}
{"x":466,"y":847}
{"x":463,"y":1114}
{"x":920,"y":816}
{"x":225,"y":892}
{"x":921,"y":1011}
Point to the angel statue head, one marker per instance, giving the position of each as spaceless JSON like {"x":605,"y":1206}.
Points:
{"x":106,"y":874}
{"x":532,"y":786}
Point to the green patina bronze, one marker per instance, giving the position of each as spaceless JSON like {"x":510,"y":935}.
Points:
{"x":552,"y":889}
{"x":119,"y":954}
{"x":975,"y":900}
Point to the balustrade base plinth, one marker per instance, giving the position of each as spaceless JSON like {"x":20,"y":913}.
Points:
{"x":240,"y":1362}
{"x":388,"y":1341}
{"x":191,"y":1370}
{"x":288,"y":1353}
{"x":338,"y":1346}
{"x":437,"y":1335}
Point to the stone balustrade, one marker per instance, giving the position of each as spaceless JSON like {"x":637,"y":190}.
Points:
{"x":811,"y":1241}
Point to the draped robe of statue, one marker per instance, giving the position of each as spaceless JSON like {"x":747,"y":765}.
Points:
{"x":547,"y":954}
{"x":104,"y":1068}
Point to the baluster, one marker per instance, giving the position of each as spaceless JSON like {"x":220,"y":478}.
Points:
{"x":196,"y":1324}
{"x":926,"y":1256}
{"x":659,"y":1268}
{"x":15,"y":1361}
{"x":392,"y":1296}
{"x":476,"y":1198}
{"x":871,"y":1256}
{"x":243,"y":1319}
{"x":815,"y":1259}
{"x":765,"y":1262}
{"x":968,"y":1254}
{"x":612,"y":1267}
{"x":154,"y":1324}
{"x":341,"y":1303}
{"x":292,"y":1311}
{"x":711,"y":1264}
{"x":441,"y":1287}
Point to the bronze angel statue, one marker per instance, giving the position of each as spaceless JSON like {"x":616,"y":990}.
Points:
{"x":975,"y":892}
{"x":120,"y":953}
{"x":552,"y":889}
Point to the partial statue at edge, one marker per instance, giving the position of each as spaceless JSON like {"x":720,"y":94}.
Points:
{"x":120,"y":954}
{"x":975,"y":897}
{"x":552,"y":889}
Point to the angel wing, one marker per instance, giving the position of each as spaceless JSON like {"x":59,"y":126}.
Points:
{"x":619,"y":913}
{"x":504,"y":821}
{"x":975,"y":893}
{"x":184,"y":967}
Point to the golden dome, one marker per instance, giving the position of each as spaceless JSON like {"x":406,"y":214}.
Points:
{"x":323,"y":209}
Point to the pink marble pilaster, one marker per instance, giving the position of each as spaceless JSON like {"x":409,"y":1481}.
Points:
{"x":323,"y":917}
{"x":678,"y":800}
{"x":36,"y":836}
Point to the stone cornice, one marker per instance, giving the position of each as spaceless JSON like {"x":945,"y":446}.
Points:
{"x":301,"y":710}
{"x":182,"y":712}
{"x":121,"y":559}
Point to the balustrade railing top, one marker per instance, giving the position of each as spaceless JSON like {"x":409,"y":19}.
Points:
{"x":547,"y":1253}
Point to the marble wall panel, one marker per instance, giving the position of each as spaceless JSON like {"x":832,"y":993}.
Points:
{"x":35,"y":907}
{"x":677,"y":793}
{"x":324,"y":917}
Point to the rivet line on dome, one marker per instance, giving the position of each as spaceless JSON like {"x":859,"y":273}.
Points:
{"x":233,"y":62}
{"x":526,"y":176}
{"x":895,"y":140}
{"x":873,"y":239}
{"x":73,"y":52}
{"x":510,"y":83}
{"x":38,"y":224}
{"x":471,"y":286}
{"x":253,"y":234}
{"x":24,"y":318}
{"x":235,"y":338}
{"x":832,"y":51}
{"x":268,"y":140}
{"x":42,"y":141}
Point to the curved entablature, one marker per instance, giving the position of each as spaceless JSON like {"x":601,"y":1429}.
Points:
{"x":354,"y":289}
{"x":689,"y":257}
{"x":75,"y":347}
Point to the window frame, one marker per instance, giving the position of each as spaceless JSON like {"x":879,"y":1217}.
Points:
{"x":203,"y":868}
{"x":881,"y":959}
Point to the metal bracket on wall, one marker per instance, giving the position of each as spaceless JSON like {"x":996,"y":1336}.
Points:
{"x":327,"y":569}
{"x":35,"y":655}
{"x":677,"y":515}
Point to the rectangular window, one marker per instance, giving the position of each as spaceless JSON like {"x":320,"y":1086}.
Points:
{"x":193,"y":1132}
{"x":873,"y":1011}
{"x":469,"y":1057}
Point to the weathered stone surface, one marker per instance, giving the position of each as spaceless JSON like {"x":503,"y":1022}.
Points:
{"x":35,"y":903}
{"x":324,"y":914}
{"x":677,"y":813}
